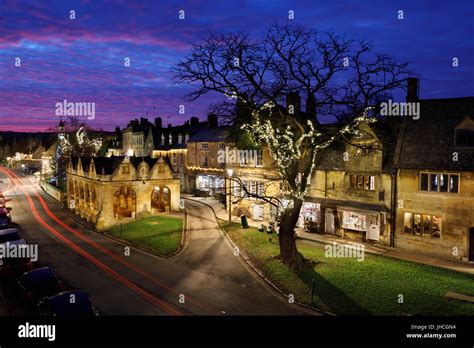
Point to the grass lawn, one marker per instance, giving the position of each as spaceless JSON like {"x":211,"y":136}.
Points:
{"x":345,"y":286}
{"x":159,"y":234}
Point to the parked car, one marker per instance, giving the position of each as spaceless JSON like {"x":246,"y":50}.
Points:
{"x":73,"y":303}
{"x":5,"y":217}
{"x":38,"y":284}
{"x":13,"y":266}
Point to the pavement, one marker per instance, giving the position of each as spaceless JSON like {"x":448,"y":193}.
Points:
{"x":450,"y":264}
{"x":204,"y":279}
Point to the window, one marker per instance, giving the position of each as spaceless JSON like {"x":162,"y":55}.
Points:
{"x":422,"y":225}
{"x":353,"y":181}
{"x":362,"y":182}
{"x":221,"y":146}
{"x":260,"y":188}
{"x":372,"y":183}
{"x":454,"y":183}
{"x":243,"y":158}
{"x":443,"y":183}
{"x":424,"y":181}
{"x":259,"y":158}
{"x":434,"y":182}
{"x":174,"y":158}
{"x":204,"y":162}
{"x":126,"y":169}
{"x":204,"y":145}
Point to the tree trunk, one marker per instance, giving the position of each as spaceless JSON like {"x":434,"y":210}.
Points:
{"x":289,"y":255}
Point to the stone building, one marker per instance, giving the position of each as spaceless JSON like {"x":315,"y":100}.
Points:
{"x":205,"y":169}
{"x":435,"y":180}
{"x":109,"y":190}
{"x":350,"y":192}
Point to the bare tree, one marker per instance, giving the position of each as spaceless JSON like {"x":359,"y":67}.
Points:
{"x":338,"y":76}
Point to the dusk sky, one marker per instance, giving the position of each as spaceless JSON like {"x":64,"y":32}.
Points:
{"x":82,"y":60}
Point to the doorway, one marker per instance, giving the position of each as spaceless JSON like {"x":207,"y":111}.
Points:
{"x":329,"y":221}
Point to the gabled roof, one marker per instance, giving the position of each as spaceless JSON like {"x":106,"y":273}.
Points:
{"x":429,"y":142}
{"x":210,"y":134}
{"x":107,"y":165}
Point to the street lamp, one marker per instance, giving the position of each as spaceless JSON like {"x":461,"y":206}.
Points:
{"x":230,"y":172}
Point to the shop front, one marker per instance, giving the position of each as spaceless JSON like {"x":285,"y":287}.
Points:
{"x":309,"y":218}
{"x":367,"y":224}
{"x":346,"y":219}
{"x":210,"y":185}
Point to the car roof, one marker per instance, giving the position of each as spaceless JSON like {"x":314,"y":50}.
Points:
{"x":61,"y":304}
{"x":8,"y":231}
{"x":39,"y":274}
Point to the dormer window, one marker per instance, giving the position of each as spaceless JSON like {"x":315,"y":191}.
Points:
{"x":464,"y":133}
{"x":162,"y":139}
{"x":170,"y":139}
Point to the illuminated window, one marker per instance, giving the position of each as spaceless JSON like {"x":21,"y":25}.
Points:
{"x":439,"y":182}
{"x":422,"y":225}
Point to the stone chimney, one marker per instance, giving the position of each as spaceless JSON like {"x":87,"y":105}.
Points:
{"x":311,"y":106}
{"x":212,"y":121}
{"x":158,"y":123}
{"x":293,"y":103}
{"x":194,"y":121}
{"x":413,"y":89}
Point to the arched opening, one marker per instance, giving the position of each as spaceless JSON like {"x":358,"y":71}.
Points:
{"x":161,"y":199}
{"x":125,"y":202}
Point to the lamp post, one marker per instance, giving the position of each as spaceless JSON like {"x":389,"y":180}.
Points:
{"x":230,"y":172}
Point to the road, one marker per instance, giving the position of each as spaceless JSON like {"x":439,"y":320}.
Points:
{"x":206,"y":275}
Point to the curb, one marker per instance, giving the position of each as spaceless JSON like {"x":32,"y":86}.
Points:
{"x":250,"y":263}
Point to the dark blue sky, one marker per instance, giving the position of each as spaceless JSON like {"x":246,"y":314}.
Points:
{"x":82,"y":60}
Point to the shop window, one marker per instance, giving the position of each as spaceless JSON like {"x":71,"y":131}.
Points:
{"x":354,"y":221}
{"x":408,"y":223}
{"x":422,"y":224}
{"x":360,"y":182}
{"x":417,"y":224}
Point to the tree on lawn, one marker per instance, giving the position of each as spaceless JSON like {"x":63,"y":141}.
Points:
{"x":75,"y":141}
{"x":340,"y":78}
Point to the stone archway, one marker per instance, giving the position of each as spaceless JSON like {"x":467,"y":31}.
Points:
{"x":125,"y":202}
{"x":161,"y":198}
